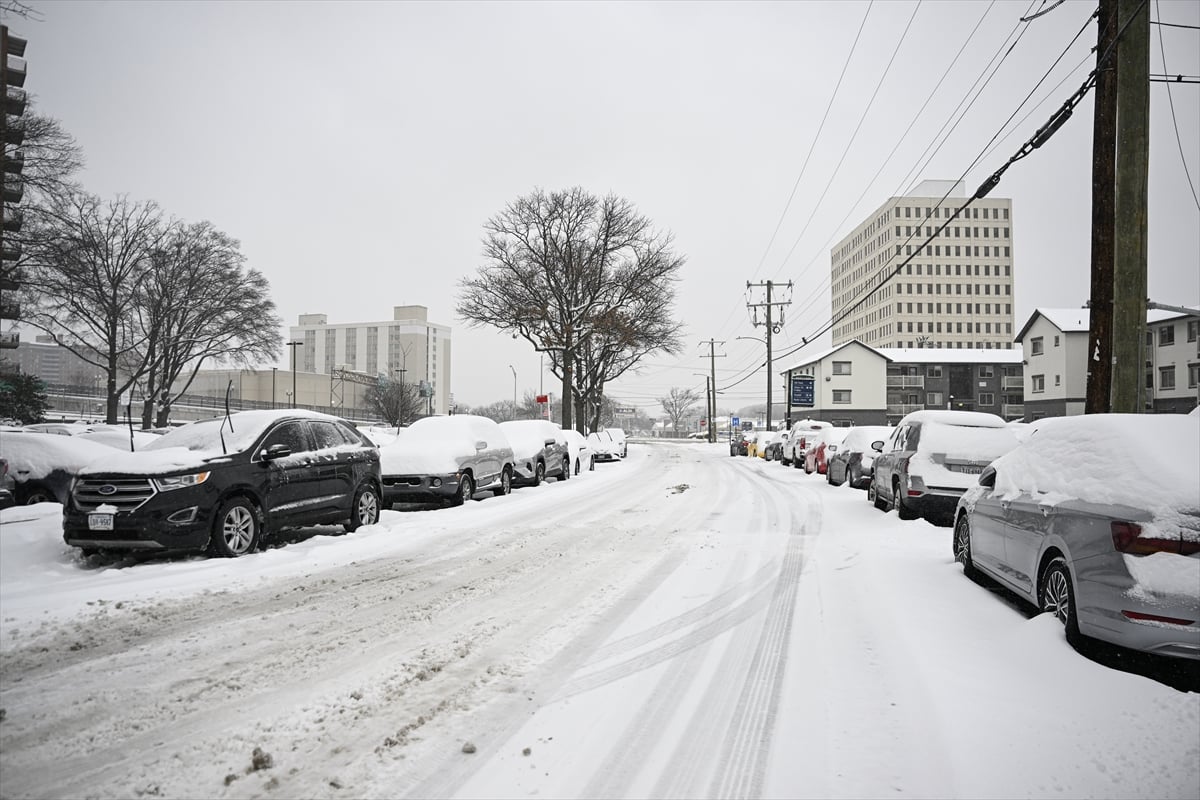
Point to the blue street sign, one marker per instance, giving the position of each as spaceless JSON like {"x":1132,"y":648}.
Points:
{"x":803,"y":390}
{"x":735,"y":422}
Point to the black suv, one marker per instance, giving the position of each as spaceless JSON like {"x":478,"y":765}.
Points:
{"x":223,"y":484}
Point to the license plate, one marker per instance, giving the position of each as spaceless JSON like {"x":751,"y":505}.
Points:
{"x":100,"y":522}
{"x":970,"y":469}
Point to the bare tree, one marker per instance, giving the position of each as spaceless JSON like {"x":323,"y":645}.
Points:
{"x":85,"y":261}
{"x":677,"y":404}
{"x":558,"y":266}
{"x":51,"y":157}
{"x":397,"y":402}
{"x":199,"y":303}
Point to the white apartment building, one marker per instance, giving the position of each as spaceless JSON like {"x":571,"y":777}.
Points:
{"x":956,"y":292}
{"x":1055,"y":342}
{"x":407,"y":347}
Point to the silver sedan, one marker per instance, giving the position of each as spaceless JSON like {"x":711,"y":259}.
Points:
{"x":1119,"y":562}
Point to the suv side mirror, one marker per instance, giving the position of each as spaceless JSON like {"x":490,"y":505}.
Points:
{"x":877,"y":446}
{"x":481,"y":445}
{"x":275,"y":451}
{"x":988,"y":477}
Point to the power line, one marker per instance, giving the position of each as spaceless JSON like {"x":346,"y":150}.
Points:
{"x":1170,"y":101}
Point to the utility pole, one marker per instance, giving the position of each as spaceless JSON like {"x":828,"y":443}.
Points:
{"x":1104,"y":147}
{"x":712,"y":398}
{"x":772,"y":327}
{"x":1132,"y":165}
{"x":294,"y":345}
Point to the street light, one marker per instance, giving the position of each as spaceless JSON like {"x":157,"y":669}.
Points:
{"x":514,"y":372}
{"x":294,"y":345}
{"x":273,"y":371}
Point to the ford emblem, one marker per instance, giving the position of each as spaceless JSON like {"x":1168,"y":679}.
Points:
{"x":107,"y":489}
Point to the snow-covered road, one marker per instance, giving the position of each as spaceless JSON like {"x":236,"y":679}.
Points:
{"x":683,"y":624}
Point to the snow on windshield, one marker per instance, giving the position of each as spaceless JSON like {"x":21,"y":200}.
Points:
{"x":1149,"y":461}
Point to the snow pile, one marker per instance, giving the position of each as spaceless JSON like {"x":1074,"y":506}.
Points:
{"x":1149,"y":461}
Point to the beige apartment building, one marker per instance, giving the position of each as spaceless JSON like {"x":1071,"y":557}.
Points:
{"x":955,"y":293}
{"x":407,"y":347}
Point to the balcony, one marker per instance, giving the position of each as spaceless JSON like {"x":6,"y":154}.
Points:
{"x":1012,"y":411}
{"x":9,"y":339}
{"x":906,"y":381}
{"x":1010,"y":382}
{"x":900,"y":409}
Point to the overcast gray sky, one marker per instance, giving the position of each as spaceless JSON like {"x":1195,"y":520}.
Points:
{"x":356,"y":149}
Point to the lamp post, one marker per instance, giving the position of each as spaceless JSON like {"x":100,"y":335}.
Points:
{"x":294,"y":345}
{"x":273,"y":371}
{"x":514,"y":372}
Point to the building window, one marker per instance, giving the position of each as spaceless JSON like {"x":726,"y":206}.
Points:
{"x":987,"y":399}
{"x":934,"y":371}
{"x":1193,"y":328}
{"x":1166,"y":377}
{"x":841,"y":395}
{"x":985,"y":371}
{"x":1039,"y":383}
{"x":1056,"y":341}
{"x":1035,"y":346}
{"x":1166,"y":335}
{"x":933,"y":398}
{"x":841,"y":368}
{"x":1193,"y":375}
{"x":1058,"y":380}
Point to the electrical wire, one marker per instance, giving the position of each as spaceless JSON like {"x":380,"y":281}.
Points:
{"x":1163,"y":53}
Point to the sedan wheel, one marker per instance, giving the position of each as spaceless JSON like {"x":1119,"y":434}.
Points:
{"x":962,"y":545}
{"x":1057,"y":597}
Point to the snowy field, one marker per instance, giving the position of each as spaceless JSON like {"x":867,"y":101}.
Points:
{"x":683,"y":624}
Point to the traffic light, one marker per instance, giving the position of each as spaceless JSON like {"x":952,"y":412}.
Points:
{"x":12,"y":135}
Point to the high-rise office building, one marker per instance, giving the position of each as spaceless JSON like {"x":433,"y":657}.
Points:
{"x":955,"y":292}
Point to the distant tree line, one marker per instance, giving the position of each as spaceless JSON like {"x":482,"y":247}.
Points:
{"x":144,"y":298}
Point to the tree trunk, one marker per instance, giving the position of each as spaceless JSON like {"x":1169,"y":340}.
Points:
{"x":568,"y":388}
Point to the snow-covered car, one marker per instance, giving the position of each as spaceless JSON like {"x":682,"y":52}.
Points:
{"x":932,"y":457}
{"x":42,"y":465}
{"x":224,"y":484}
{"x":1111,"y":546}
{"x":816,"y":454}
{"x":602,"y":445}
{"x":618,"y":437}
{"x":801,"y":432}
{"x":738,"y":443}
{"x":539,"y":451}
{"x":8,"y":485}
{"x":582,"y":457}
{"x":853,"y":462}
{"x":446,"y":459}
{"x":773,"y":451}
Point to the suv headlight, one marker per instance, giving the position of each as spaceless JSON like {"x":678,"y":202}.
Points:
{"x":181,"y":481}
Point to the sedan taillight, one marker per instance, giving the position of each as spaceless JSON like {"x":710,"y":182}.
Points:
{"x":1127,"y":539}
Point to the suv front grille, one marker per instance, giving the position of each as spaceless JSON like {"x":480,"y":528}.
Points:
{"x":126,"y":494}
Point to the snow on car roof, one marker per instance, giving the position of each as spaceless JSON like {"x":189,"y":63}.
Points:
{"x":528,"y":436}
{"x":1149,"y":461}
{"x":974,"y":419}
{"x":36,"y":455}
{"x":860,"y":437}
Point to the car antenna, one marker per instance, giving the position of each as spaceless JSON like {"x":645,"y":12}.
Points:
{"x":129,"y":422}
{"x":228,"y":419}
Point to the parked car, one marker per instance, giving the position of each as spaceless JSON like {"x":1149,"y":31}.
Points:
{"x":739,"y":443}
{"x":446,"y":459}
{"x":801,"y":432}
{"x":1109,"y":545}
{"x":539,"y":451}
{"x":602,"y":445}
{"x":853,"y":461}
{"x":815,"y":459}
{"x":43,"y":464}
{"x":756,"y":442}
{"x":774,"y":447}
{"x":225,"y":484}
{"x":932,"y":457}
{"x":618,"y":436}
{"x":582,"y":457}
